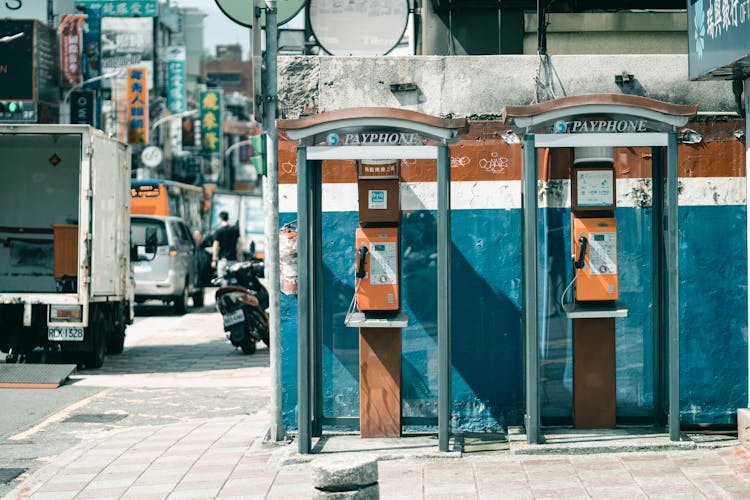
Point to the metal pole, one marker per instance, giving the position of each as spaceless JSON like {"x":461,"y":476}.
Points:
{"x":304,"y":321}
{"x":673,"y":283}
{"x":747,"y":186}
{"x":657,"y":275}
{"x":316,"y":311}
{"x":271,"y":211}
{"x":530,"y":251}
{"x":444,"y":297}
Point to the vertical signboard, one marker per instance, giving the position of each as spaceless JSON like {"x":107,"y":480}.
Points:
{"x":718,"y":38}
{"x":188,"y":132}
{"x":127,"y":42}
{"x":137,"y":106}
{"x":71,"y":43}
{"x":82,"y":106}
{"x":47,"y":67}
{"x":176,"y":94}
{"x":123,"y":8}
{"x":211,"y":127}
{"x":91,"y":54}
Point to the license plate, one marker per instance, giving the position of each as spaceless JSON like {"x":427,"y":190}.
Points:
{"x":65,"y":333}
{"x":234,"y":317}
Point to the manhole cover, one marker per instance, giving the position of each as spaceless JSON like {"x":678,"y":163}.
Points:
{"x":9,"y":474}
{"x":96,"y":418}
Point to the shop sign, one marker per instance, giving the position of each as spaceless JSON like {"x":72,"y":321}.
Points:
{"x":137,"y":106}
{"x":123,"y":8}
{"x":82,"y":105}
{"x":718,"y":38}
{"x":17,"y":64}
{"x":176,"y":94}
{"x":71,"y":42}
{"x":600,"y":126}
{"x":375,"y":139}
{"x":211,"y":104}
{"x":188,"y":132}
{"x":91,"y":53}
{"x":127,"y":42}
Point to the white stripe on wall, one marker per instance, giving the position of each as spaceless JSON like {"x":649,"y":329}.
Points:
{"x":506,"y":195}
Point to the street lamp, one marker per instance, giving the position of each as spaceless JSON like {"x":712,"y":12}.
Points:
{"x":104,"y":76}
{"x":10,"y":38}
{"x":163,"y":119}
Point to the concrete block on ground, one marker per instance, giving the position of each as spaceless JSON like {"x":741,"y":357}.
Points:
{"x":344,"y":472}
{"x":743,"y":426}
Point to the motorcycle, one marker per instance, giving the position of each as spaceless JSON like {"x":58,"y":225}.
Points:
{"x":242,"y":301}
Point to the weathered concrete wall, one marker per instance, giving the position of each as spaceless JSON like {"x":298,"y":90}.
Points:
{"x":482,"y":85}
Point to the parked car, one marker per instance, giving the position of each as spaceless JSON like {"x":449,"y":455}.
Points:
{"x":166,"y":268}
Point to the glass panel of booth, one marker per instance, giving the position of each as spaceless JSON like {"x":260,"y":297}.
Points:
{"x":634,"y":337}
{"x":418,"y":275}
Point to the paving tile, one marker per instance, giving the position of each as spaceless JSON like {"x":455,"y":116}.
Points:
{"x":604,"y":478}
{"x":102,"y":493}
{"x":616,"y":493}
{"x":246,"y":487}
{"x":62,"y":486}
{"x":57,"y":495}
{"x":289,"y":491}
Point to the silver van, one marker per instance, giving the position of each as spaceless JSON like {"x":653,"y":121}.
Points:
{"x":166,"y":268}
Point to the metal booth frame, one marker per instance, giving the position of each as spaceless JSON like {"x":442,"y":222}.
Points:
{"x":311,"y":132}
{"x":527,"y":121}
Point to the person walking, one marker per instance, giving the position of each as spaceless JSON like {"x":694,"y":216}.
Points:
{"x":227,"y":246}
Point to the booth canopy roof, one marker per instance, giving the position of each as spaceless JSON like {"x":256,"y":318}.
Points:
{"x":534,"y":115}
{"x":373,"y":118}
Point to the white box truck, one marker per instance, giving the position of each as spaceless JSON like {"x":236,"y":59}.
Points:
{"x":65,"y":279}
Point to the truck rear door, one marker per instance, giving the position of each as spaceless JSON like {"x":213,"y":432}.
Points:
{"x":110,"y":221}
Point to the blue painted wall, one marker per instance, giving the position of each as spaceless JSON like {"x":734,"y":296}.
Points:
{"x":487,"y":348}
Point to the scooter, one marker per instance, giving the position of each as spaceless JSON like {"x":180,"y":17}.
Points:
{"x":242,"y":301}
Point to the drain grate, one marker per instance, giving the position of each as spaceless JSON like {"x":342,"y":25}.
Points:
{"x":9,"y":474}
{"x":96,"y":418}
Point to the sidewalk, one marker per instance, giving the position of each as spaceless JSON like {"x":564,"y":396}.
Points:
{"x":226,"y":458}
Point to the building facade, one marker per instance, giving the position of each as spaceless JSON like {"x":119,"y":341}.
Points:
{"x":487,"y":343}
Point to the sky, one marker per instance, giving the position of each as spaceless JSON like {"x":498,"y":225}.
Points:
{"x":217,"y":28}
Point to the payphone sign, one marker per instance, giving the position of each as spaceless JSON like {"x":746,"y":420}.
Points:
{"x":597,"y":280}
{"x":378,"y":290}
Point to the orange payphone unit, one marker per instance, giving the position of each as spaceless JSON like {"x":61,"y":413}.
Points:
{"x":377,"y":238}
{"x":595,"y":245}
{"x":593,"y":232}
{"x":377,"y":269}
{"x":593,"y":227}
{"x":378,"y":299}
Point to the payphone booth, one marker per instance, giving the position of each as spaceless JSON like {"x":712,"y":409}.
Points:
{"x":591,"y":128}
{"x":377,"y":139}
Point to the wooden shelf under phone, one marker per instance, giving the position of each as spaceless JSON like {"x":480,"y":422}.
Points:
{"x":377,"y":320}
{"x":580,"y":310}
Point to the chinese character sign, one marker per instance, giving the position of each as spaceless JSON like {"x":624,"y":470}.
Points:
{"x":718,"y":35}
{"x":176,"y":95}
{"x":123,"y":8}
{"x":211,"y":104}
{"x":71,"y":44}
{"x":137,"y":106}
{"x":91,"y":54}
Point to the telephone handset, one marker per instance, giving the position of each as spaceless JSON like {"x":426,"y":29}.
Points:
{"x":580,"y":262}
{"x":361,"y":272}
